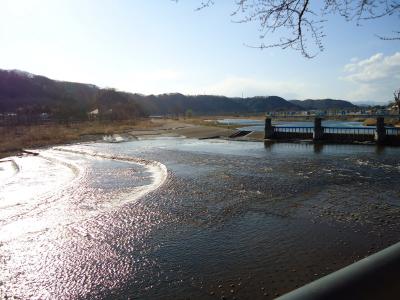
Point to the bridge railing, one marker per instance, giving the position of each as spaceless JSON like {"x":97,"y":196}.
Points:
{"x":374,"y":277}
{"x":393,"y":131}
{"x":350,"y":130}
{"x":294,"y":129}
{"x":378,"y":134}
{"x":337,"y":130}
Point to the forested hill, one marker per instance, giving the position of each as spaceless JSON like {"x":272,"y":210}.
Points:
{"x":323,"y":104}
{"x":25,"y":93}
{"x":29,"y":94}
{"x":209,"y":104}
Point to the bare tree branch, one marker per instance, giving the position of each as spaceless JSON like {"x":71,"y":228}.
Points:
{"x":300,"y":26}
{"x":205,"y":4}
{"x":397,"y":99}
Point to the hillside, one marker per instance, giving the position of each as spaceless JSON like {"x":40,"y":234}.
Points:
{"x":323,"y":104}
{"x":270,"y":103}
{"x":211,"y":105}
{"x":28,"y":94}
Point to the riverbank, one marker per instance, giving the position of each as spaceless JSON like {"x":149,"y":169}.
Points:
{"x":14,"y":139}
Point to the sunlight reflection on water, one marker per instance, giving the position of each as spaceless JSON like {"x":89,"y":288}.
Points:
{"x":104,"y":221}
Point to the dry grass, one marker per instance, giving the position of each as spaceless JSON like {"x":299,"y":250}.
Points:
{"x":388,"y":122}
{"x":369,"y":122}
{"x":205,"y":121}
{"x":13,"y":139}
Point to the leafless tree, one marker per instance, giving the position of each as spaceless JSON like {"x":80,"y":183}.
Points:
{"x":298,"y":24}
{"x":397,"y":100}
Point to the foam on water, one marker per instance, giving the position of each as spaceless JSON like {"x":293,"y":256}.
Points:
{"x":55,"y":182}
{"x":8,"y":168}
{"x":158,"y":171}
{"x":29,"y":190}
{"x":34,"y":177}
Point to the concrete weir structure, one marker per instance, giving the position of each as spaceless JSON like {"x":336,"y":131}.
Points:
{"x":318,"y":133}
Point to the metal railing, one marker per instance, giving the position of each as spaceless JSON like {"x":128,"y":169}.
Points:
{"x":337,"y":130}
{"x":374,"y":277}
{"x":378,"y":134}
{"x":350,"y":130}
{"x":393,"y":131}
{"x":297,"y":129}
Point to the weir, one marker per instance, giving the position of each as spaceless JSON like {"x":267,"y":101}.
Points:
{"x":380,"y":134}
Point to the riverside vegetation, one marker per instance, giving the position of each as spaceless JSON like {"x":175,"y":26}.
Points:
{"x":14,"y":139}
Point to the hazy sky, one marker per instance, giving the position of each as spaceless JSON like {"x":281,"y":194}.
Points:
{"x":159,"y":46}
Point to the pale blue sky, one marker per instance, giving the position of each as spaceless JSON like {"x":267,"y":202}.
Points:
{"x":157,"y":46}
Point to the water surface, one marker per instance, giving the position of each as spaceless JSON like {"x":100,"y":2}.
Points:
{"x":222,"y":219}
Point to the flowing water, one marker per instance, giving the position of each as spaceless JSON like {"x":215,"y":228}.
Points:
{"x":171,"y":218}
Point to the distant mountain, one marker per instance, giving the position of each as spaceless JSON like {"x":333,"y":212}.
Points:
{"x":29,"y":94}
{"x":211,"y":105}
{"x":323,"y":104}
{"x":176,"y":103}
{"x":367,"y":103}
{"x":270,"y":103}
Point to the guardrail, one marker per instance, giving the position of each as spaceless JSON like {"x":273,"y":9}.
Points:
{"x":374,"y":277}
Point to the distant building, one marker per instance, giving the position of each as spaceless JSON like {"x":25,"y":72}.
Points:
{"x":44,"y":116}
{"x":94,"y":114}
{"x":393,"y":109}
{"x":383,"y":111}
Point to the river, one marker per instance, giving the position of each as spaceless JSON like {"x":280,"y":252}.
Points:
{"x":174,"y":218}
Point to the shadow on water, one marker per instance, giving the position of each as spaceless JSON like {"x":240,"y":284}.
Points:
{"x":319,"y":148}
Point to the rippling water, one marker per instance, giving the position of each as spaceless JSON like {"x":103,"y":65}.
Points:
{"x":174,"y":218}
